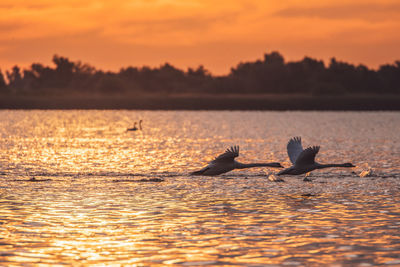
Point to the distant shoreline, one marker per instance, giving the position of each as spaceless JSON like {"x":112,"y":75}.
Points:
{"x":205,"y":102}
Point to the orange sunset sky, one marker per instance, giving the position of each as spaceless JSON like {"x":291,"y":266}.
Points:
{"x":217,"y":34}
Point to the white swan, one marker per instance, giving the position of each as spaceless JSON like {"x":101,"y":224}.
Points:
{"x":304,"y":160}
{"x":226,"y":162}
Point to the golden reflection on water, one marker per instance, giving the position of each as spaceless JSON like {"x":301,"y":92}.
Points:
{"x":101,"y":228}
{"x":84,"y":216}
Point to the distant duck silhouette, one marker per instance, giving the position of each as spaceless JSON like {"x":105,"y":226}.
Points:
{"x":226,"y":162}
{"x":134,"y":128}
{"x":33,"y":179}
{"x":303,"y":160}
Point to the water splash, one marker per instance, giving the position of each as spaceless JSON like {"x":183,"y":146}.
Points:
{"x":364,"y":170}
{"x":274,"y":178}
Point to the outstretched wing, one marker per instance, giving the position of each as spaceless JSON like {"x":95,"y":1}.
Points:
{"x":294,"y":148}
{"x":228,"y":155}
{"x":307,"y":157}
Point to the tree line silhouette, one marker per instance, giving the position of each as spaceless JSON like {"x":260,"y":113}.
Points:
{"x":271,"y":75}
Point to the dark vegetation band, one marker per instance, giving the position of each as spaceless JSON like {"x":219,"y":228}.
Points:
{"x":271,"y":75}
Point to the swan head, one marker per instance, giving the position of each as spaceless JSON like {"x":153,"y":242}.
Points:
{"x":348,"y":164}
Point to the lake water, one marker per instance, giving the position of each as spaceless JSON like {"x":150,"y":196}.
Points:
{"x":94,"y":210}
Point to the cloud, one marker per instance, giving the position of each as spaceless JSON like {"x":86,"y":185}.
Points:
{"x":368,"y":12}
{"x":134,"y":21}
{"x":181,"y":23}
{"x":6,"y":26}
{"x":176,"y":24}
{"x":181,"y":29}
{"x":218,"y":34}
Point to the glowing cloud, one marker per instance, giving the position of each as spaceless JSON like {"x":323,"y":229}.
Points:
{"x":218,"y":34}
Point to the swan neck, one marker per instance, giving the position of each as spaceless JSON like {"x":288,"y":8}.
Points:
{"x":250,"y":165}
{"x":322,"y":166}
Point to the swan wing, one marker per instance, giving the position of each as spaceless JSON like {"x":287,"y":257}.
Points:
{"x":228,"y":155}
{"x":294,"y":148}
{"x":307,"y":157}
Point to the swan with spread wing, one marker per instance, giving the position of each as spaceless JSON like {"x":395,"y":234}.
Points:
{"x":303,"y":160}
{"x":226,"y":162}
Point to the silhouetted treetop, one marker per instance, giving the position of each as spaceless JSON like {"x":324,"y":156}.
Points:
{"x":3,"y":84}
{"x":269,"y":75}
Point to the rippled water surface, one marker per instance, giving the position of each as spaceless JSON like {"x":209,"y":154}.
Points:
{"x":90,"y":203}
